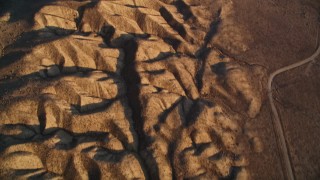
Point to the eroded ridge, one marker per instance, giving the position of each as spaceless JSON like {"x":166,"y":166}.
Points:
{"x":126,"y":90}
{"x":189,"y":132}
{"x":72,"y":110}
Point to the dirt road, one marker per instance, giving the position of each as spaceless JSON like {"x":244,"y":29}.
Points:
{"x":276,"y":121}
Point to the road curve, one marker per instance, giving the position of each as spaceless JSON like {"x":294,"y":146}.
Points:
{"x":276,"y":120}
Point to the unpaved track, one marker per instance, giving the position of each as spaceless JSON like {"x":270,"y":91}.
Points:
{"x":276,"y":120}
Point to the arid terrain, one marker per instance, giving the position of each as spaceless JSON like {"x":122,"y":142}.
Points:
{"x":158,"y":89}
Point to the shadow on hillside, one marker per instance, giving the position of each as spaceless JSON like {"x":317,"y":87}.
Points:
{"x":22,"y":9}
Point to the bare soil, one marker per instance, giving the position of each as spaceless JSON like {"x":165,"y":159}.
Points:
{"x":163,"y":89}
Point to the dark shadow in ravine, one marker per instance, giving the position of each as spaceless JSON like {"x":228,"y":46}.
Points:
{"x":219,"y":69}
{"x":22,"y":10}
{"x":132,"y":81}
{"x":184,"y":9}
{"x":178,"y":27}
{"x":203,"y":51}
